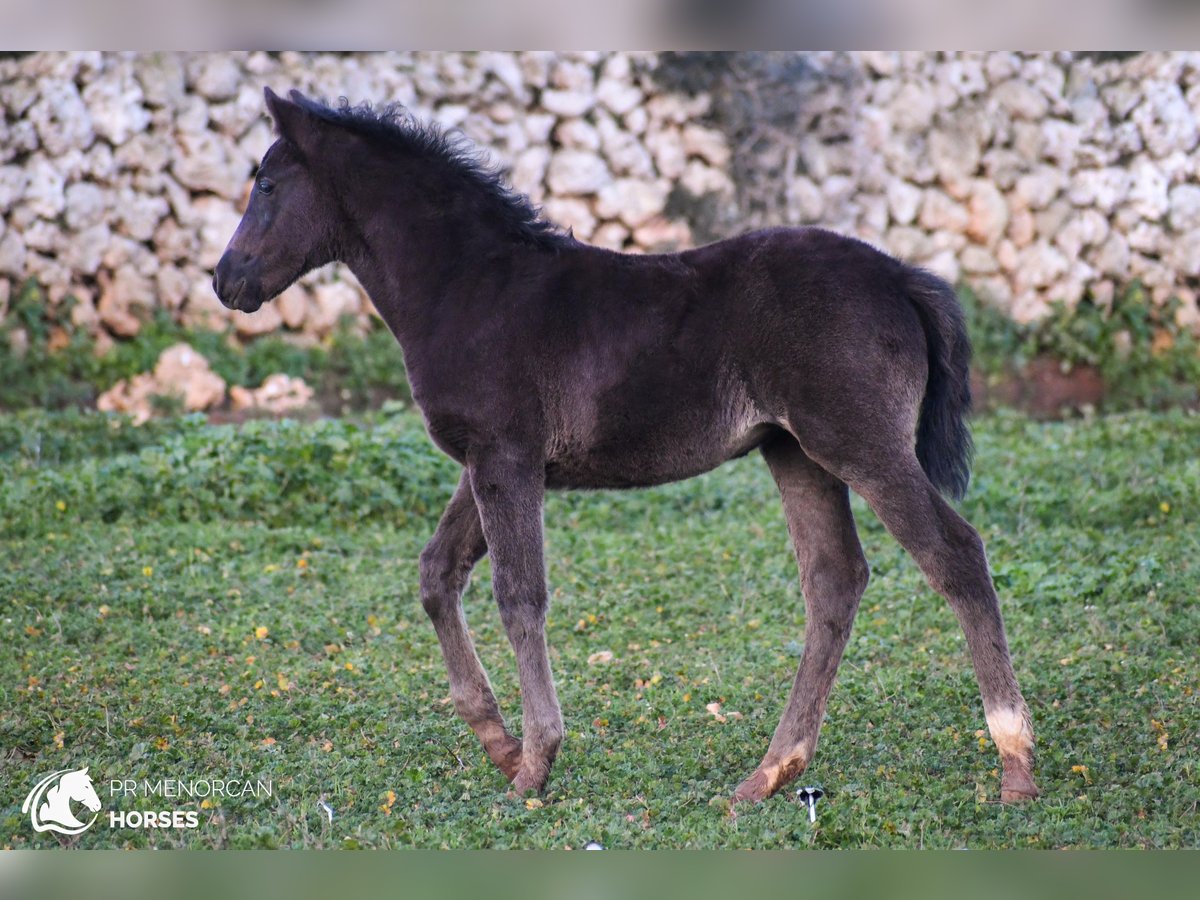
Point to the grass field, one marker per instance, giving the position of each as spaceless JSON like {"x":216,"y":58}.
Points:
{"x":197,"y":601}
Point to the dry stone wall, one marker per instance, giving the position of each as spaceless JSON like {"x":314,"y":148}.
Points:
{"x":1033,"y":177}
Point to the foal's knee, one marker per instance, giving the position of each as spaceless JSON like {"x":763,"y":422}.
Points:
{"x":438,"y":571}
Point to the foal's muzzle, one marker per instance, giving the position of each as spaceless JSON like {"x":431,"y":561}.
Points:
{"x":237,"y":281}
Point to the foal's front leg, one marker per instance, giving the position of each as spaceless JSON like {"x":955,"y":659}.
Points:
{"x":446,"y":564}
{"x":508,"y":488}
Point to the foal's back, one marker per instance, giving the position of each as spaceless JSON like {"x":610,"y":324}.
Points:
{"x":668,"y":365}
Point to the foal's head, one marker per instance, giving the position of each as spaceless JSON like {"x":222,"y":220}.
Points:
{"x":337,"y":176}
{"x":291,"y":223}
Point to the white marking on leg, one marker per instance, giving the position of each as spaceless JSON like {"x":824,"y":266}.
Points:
{"x":1010,"y":731}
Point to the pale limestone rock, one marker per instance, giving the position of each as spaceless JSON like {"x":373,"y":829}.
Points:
{"x":677,"y":108}
{"x":995,"y":290}
{"x":1038,"y":188}
{"x":1147,"y":190}
{"x":132,"y":397}
{"x":182,"y":371}
{"x":235,"y":117}
{"x":44,"y":189}
{"x":13,"y":180}
{"x":1021,"y":225}
{"x":576,"y":172}
{"x":700,"y":179}
{"x":293,"y":306}
{"x":1028,"y":306}
{"x":204,"y":164}
{"x":632,"y":201}
{"x":625,"y":153}
{"x":528,"y":172}
{"x":662,"y":235}
{"x":572,"y":213}
{"x":944,"y":263}
{"x":332,"y":301}
{"x":611,"y":235}
{"x":84,"y":251}
{"x":174,"y":242}
{"x":1002,"y":167}
{"x":1039,"y":265}
{"x":215,"y":76}
{"x":636,"y":120}
{"x":171,"y":286}
{"x":572,"y":75}
{"x":216,"y":221}
{"x":1185,"y":207}
{"x":881,"y":62}
{"x":138,"y":215}
{"x":1050,"y":221}
{"x":264,"y":320}
{"x":913,"y":107}
{"x":955,"y":154}
{"x":278,"y":394}
{"x":805,"y":201}
{"x":115,"y":104}
{"x":1021,"y":100}
{"x":61,"y":118}
{"x":567,"y":104}
{"x":1146,"y":237}
{"x":908,"y":242}
{"x":666,"y":146}
{"x":577,"y":134}
{"x":1164,"y":118}
{"x":162,"y":78}
{"x":86,"y":205}
{"x":505,"y":69}
{"x":707,"y":143}
{"x":618,"y":96}
{"x":904,"y":201}
{"x":978,"y":260}
{"x":1061,"y":141}
{"x":12,"y":255}
{"x":202,"y":309}
{"x":1105,"y":189}
{"x":940,"y":213}
{"x":42,"y":236}
{"x":150,"y":151}
{"x":987,"y":213}
{"x":1086,"y":229}
{"x":124,"y":299}
{"x":538,"y":127}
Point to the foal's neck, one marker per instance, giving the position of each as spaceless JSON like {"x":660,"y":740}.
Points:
{"x":421,"y":262}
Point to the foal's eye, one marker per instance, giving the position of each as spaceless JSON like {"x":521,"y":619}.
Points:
{"x":266,"y":185}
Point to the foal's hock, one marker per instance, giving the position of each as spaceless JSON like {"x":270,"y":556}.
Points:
{"x":541,"y":362}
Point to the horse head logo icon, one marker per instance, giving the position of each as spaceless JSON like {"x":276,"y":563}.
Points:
{"x":49,"y":803}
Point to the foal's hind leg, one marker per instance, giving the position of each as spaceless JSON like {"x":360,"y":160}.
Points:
{"x":833,"y":576}
{"x":446,"y":564}
{"x":950,"y":553}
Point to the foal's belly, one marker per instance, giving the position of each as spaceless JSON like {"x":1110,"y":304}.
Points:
{"x":646,"y":458}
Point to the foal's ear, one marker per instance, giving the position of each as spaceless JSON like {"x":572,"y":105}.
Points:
{"x":293,"y":122}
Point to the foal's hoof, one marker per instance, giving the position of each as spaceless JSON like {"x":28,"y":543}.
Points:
{"x":530,"y":782}
{"x":754,"y":789}
{"x":1018,"y":796}
{"x":506,"y":754}
{"x":1017,"y":787}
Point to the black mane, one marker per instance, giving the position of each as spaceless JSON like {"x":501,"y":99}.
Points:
{"x":392,"y":124}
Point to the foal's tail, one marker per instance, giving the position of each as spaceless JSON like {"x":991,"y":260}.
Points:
{"x":944,"y":445}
